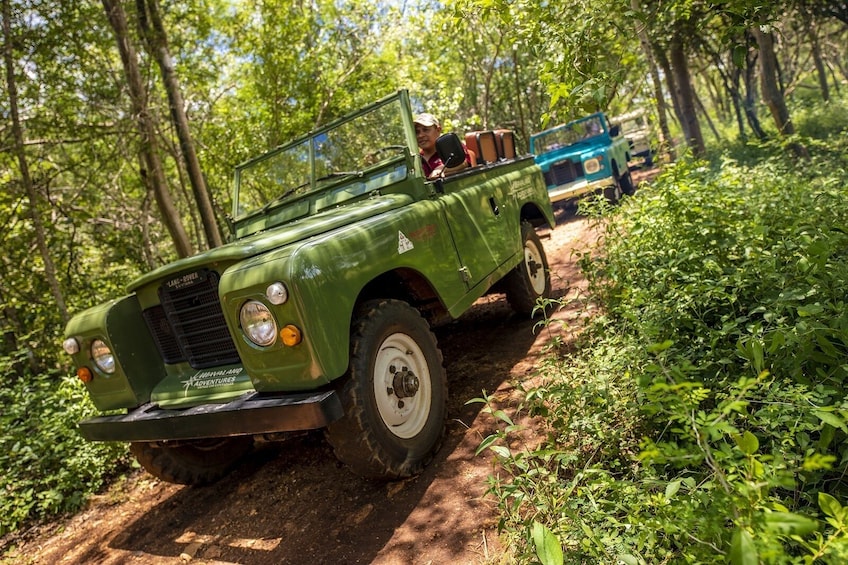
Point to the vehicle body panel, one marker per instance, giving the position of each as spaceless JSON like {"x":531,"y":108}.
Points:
{"x":636,"y":128}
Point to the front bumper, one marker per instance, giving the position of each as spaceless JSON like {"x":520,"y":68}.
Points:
{"x":249,"y":414}
{"x":577,"y":189}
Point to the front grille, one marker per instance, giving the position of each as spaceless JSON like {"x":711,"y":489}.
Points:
{"x":564,"y":172}
{"x":189,"y":324}
{"x":163,"y":335}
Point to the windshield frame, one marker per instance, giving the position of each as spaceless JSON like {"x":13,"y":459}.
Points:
{"x":302,"y":158}
{"x":571,"y":133}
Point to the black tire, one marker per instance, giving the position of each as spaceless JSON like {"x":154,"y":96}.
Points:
{"x":394,"y":395}
{"x":625,"y":182}
{"x":530,"y":279}
{"x":197,"y":462}
{"x":613,"y":193}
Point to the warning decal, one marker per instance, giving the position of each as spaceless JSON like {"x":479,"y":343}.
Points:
{"x":404,"y":244}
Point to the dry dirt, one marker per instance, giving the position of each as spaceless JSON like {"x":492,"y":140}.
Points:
{"x":294,"y":503}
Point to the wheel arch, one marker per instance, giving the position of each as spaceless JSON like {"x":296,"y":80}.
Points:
{"x":531,"y":212}
{"x":410,"y":286}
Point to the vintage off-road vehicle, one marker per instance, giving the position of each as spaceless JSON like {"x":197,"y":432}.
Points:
{"x":637,"y":129}
{"x":318,"y":313}
{"x":583,"y":157}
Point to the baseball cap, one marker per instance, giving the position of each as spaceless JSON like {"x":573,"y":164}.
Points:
{"x":427,"y":120}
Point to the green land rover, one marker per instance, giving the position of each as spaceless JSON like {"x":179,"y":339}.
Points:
{"x":318,"y":312}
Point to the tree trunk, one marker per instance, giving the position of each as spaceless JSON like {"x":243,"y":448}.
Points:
{"x":665,"y":144}
{"x":154,"y":173}
{"x":23,"y":165}
{"x":487,"y":82}
{"x":662,"y":61}
{"x":688,"y":116}
{"x":818,"y":60}
{"x":522,"y":134}
{"x":702,"y":109}
{"x":733,"y":89}
{"x":750,"y":105}
{"x":157,"y":42}
{"x":772,"y":94}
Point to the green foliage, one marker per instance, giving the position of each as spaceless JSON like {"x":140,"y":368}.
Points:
{"x":47,"y":467}
{"x":256,"y":74}
{"x":704,"y":418}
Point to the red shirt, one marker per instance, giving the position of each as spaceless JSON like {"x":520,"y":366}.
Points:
{"x":435,"y":161}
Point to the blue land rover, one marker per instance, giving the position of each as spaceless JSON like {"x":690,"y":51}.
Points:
{"x":582,"y":157}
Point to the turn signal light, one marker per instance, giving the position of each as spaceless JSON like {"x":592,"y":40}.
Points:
{"x":291,"y":335}
{"x":84,"y":374}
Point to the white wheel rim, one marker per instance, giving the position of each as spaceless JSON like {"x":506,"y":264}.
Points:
{"x":534,"y":267}
{"x":400,"y":359}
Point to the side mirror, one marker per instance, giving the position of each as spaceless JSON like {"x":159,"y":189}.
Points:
{"x":450,"y":151}
{"x":615,"y":130}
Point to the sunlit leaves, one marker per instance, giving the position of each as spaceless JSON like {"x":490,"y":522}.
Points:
{"x":732,"y":441}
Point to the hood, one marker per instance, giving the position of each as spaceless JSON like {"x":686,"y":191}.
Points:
{"x":578,"y":152}
{"x":277,"y":237}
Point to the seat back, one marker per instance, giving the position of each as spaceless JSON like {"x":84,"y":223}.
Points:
{"x":484,"y":146}
{"x":505,"y":141}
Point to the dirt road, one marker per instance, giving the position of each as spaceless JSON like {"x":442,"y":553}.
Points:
{"x":294,"y":503}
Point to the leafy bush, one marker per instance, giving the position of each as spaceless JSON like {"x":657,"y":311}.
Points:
{"x":47,"y":467}
{"x":703,"y":418}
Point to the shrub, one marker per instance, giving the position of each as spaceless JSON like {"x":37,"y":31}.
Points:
{"x":704,"y":416}
{"x":47,"y":467}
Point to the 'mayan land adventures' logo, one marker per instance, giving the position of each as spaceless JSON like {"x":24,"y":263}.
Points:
{"x":209,"y":379}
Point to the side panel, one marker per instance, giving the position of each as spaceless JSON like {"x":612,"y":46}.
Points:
{"x":483,"y":221}
{"x":619,"y":153}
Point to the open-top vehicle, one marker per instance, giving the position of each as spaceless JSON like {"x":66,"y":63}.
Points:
{"x":583,"y":157}
{"x":318,"y":313}
{"x":636,"y":128}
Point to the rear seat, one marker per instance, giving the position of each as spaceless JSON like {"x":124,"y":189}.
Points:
{"x":491,"y":146}
{"x":505,"y":140}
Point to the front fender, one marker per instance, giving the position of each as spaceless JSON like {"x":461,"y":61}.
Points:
{"x":325,"y":276}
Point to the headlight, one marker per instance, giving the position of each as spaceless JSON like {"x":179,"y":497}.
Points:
{"x":592,"y":166}
{"x":71,"y":346}
{"x":277,"y":293}
{"x":257,"y":323}
{"x":102,"y":356}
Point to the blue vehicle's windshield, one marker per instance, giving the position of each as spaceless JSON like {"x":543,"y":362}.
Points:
{"x":568,"y":134}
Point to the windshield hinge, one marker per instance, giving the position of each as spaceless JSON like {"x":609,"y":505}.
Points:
{"x":465,"y":274}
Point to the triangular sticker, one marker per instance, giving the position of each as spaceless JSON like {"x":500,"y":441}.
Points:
{"x":404,"y":244}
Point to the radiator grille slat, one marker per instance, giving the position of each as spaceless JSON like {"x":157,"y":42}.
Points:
{"x":564,"y":172}
{"x":189,"y":324}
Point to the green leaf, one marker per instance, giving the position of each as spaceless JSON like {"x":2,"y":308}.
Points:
{"x":548,"y":548}
{"x":830,"y":505}
{"x":671,"y":489}
{"x":810,"y":310}
{"x":747,"y":442}
{"x":742,"y":548}
{"x":832,"y":419}
{"x":487,"y":441}
{"x":757,"y":352}
{"x":788,"y":523}
{"x":501,"y":450}
{"x":502,"y":416}
{"x":660,"y":347}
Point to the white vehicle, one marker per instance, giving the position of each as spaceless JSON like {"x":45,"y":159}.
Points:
{"x":635,"y":127}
